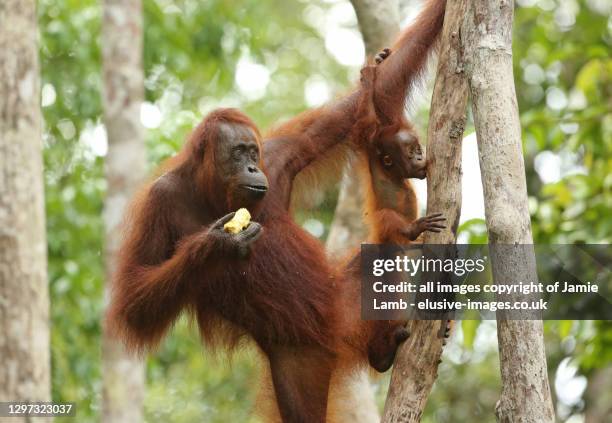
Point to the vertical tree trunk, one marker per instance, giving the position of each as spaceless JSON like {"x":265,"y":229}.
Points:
{"x":24,"y":299}
{"x":525,"y":393}
{"x":598,"y":404}
{"x":416,"y":365}
{"x":347,"y":227}
{"x":123,"y":375}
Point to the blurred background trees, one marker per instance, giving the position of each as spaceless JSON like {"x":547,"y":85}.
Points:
{"x":273,"y":59}
{"x":123,"y":374}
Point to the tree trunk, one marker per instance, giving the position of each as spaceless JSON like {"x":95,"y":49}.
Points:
{"x":347,"y":228}
{"x":598,"y":396}
{"x":123,"y":375}
{"x":24,"y":299}
{"x":525,"y":393}
{"x":416,"y":365}
{"x":379,"y":23}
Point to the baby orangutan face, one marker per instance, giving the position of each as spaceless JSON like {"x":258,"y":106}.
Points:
{"x":401,"y":156}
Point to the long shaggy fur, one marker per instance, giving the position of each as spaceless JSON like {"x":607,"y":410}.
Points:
{"x":299,"y":309}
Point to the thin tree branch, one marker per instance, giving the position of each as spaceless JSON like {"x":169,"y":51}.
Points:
{"x":416,"y":365}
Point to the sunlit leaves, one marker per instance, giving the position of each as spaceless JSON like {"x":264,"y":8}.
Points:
{"x":192,"y":52}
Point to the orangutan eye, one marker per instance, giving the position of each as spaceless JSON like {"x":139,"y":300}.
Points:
{"x":387,"y":161}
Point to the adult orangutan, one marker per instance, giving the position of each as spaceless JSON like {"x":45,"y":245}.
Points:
{"x":270,"y":282}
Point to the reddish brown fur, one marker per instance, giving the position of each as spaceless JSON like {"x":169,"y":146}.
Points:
{"x":300,"y":310}
{"x":389,"y":207}
{"x":396,"y":75}
{"x":390,"y":204}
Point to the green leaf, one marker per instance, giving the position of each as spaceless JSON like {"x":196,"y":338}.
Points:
{"x":469,"y":328}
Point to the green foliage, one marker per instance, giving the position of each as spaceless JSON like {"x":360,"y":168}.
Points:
{"x":564,"y":90}
{"x":563,"y":84}
{"x":187,"y":384}
{"x":191,"y":55}
{"x":469,"y":328}
{"x":595,"y":349}
{"x":74,"y":190}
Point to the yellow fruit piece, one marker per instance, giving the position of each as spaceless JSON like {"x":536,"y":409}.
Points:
{"x":241,"y":220}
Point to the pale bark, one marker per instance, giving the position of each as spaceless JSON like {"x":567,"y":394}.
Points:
{"x":378,"y":22}
{"x":598,"y":396}
{"x":416,"y":365}
{"x":525,"y":393}
{"x":24,"y":299}
{"x":347,"y":228}
{"x":123,"y":374}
